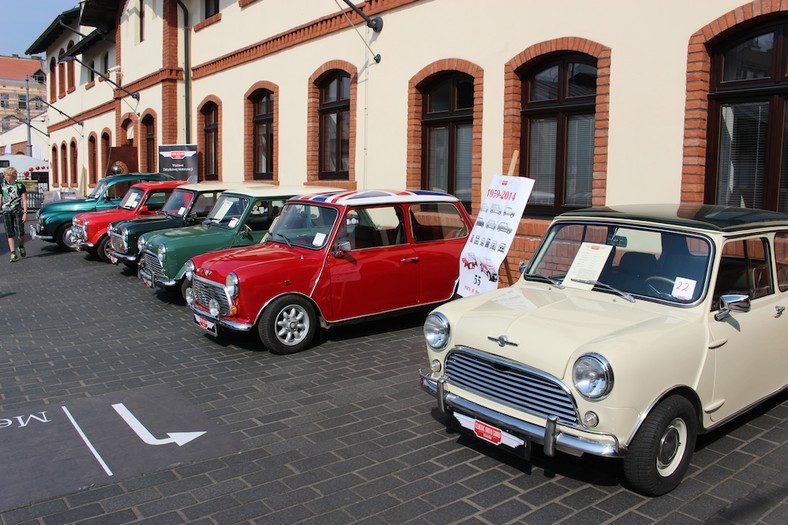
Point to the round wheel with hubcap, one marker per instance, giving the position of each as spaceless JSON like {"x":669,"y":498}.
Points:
{"x":661,"y":451}
{"x":102,"y":249}
{"x":64,"y":236}
{"x":288,"y":325}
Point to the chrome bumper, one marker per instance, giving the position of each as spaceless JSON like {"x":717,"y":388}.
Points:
{"x":123,"y":257}
{"x":549,"y":436}
{"x":221,"y":321}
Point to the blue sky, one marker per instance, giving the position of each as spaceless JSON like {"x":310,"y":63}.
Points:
{"x":23,"y":21}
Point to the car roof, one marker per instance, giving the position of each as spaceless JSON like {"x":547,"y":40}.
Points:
{"x":366,"y":197}
{"x":150,"y":184}
{"x":688,"y":215}
{"x":258,"y":189}
{"x":215,"y":186}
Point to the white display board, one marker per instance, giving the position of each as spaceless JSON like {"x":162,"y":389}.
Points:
{"x":493,"y":233}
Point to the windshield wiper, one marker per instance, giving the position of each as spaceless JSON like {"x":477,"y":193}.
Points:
{"x":625,"y":295}
{"x":540,"y":277}
{"x":282,"y":235}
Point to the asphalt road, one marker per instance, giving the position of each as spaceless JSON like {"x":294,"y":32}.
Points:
{"x":115,"y":409}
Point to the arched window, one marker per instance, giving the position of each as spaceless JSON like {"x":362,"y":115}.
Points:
{"x":747,"y":156}
{"x":63,"y":165}
{"x":52,"y":80}
{"x":558,"y":116}
{"x":71,"y":74}
{"x":92,"y":161}
{"x":55,"y":172}
{"x":210,"y":113}
{"x":149,"y":144}
{"x":334,"y":123}
{"x":447,"y":120}
{"x":262,"y":134}
{"x":61,"y":76}
{"x":105,"y":146}
{"x":73,"y":166}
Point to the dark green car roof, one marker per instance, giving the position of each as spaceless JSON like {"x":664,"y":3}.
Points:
{"x":701,"y":216}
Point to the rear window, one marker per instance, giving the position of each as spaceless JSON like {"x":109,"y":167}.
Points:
{"x":436,"y":221}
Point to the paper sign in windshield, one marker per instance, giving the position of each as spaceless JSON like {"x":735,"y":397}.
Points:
{"x":683,"y":288}
{"x":319,"y":239}
{"x":587,"y":266}
{"x":221,"y":212}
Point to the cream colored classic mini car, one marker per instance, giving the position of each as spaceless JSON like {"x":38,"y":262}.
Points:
{"x":631,"y":331}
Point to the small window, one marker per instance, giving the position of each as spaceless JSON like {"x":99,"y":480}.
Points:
{"x":436,"y":222}
{"x":211,"y":8}
{"x":745,"y":268}
{"x":781,"y":258}
{"x":373,"y":227}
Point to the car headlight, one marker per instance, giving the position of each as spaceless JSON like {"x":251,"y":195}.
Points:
{"x":231,"y":285}
{"x":188,"y":270}
{"x":162,"y":253}
{"x":436,"y":331}
{"x":141,"y":244}
{"x":593,"y":376}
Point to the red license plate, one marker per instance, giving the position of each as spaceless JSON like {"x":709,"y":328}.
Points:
{"x":487,"y":432}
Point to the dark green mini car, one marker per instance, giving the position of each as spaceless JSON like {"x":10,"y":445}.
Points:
{"x":241,"y":217}
{"x":188,"y":205}
{"x":53,"y":220}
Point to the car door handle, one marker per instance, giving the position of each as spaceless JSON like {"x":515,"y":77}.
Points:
{"x":410,"y":260}
{"x":778,"y":310}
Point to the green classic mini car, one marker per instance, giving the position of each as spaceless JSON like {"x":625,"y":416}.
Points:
{"x":239,"y":218}
{"x":188,"y":205}
{"x":53,"y":220}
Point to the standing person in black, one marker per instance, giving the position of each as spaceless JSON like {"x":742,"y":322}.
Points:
{"x":14,"y":212}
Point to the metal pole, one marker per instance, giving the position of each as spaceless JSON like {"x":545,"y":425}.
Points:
{"x":27,"y":105}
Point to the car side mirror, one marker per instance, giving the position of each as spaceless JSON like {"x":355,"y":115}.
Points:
{"x":341,"y":248}
{"x":523,"y":267}
{"x":732,"y":303}
{"x":144,"y":209}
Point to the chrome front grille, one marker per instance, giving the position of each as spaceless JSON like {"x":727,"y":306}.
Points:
{"x":511,"y":384}
{"x":205,"y":290}
{"x":78,"y":231}
{"x":153,"y":264}
{"x":116,"y":241}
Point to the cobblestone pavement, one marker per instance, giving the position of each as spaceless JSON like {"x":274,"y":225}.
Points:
{"x":338,"y":434}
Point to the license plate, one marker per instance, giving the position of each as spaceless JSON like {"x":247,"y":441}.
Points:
{"x":205,"y":324}
{"x":493,"y":434}
{"x":146,"y":278}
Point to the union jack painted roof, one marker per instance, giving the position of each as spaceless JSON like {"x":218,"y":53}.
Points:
{"x":366,"y":197}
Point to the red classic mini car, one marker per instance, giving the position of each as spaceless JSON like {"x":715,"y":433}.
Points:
{"x":144,"y":198}
{"x":331,"y":258}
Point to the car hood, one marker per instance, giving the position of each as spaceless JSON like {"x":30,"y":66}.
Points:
{"x":547,"y":328}
{"x":249,"y":258}
{"x":106,"y":216}
{"x":199,"y":234}
{"x":68,"y":205}
{"x":148,"y":222}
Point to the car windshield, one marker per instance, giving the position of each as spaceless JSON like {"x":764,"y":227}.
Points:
{"x":305,"y":225}
{"x":98,"y":190}
{"x":228,"y":211}
{"x":178,"y":203}
{"x":132,"y":199}
{"x":660,"y":265}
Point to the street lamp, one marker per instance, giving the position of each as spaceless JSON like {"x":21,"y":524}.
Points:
{"x":72,"y":119}
{"x":71,"y":58}
{"x":27,"y":123}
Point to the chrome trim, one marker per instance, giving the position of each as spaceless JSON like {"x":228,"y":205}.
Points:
{"x":238,"y":327}
{"x":550,"y":438}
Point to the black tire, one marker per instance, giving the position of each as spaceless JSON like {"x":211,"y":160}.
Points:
{"x":660,"y":454}
{"x":102,"y":249}
{"x":184,"y":286}
{"x":64,"y":237}
{"x":287,"y":325}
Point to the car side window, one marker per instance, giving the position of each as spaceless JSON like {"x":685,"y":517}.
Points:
{"x":157,"y":199}
{"x":263,"y":213}
{"x":205,"y":202}
{"x":781,"y":259}
{"x":745,"y":268}
{"x":373,"y":227}
{"x":436,"y":221}
{"x":118,"y":190}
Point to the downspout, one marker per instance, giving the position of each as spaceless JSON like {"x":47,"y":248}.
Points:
{"x":187,"y":74}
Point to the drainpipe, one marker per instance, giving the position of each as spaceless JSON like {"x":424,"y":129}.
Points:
{"x":187,"y":74}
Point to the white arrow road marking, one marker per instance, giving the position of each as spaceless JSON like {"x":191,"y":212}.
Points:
{"x":181,"y":438}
